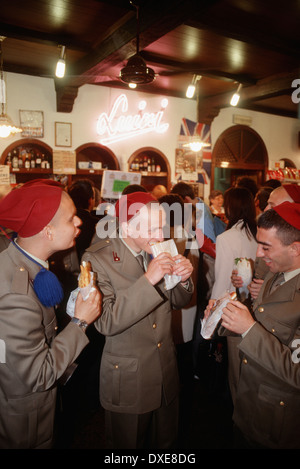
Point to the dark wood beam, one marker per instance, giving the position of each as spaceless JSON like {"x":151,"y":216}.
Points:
{"x":278,"y":85}
{"x":157,"y":18}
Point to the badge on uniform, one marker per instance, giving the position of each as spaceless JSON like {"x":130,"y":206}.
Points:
{"x":116,"y":257}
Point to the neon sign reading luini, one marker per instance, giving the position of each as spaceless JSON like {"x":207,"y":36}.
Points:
{"x":120,"y":126}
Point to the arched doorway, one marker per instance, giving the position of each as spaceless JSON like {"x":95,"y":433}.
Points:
{"x":239,"y":151}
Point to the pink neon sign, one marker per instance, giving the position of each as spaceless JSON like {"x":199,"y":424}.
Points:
{"x":120,"y":126}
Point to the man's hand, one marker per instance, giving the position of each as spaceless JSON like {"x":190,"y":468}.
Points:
{"x":254,"y":287}
{"x":236,"y":317}
{"x":90,"y":309}
{"x":160,"y":266}
{"x":236,"y":280}
{"x":183,"y":267}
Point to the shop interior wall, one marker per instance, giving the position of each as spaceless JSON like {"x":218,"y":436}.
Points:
{"x":25,"y":92}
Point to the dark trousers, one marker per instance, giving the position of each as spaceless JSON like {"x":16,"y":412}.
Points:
{"x":156,"y":429}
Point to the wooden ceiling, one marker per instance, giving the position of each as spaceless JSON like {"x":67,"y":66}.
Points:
{"x":227,"y":42}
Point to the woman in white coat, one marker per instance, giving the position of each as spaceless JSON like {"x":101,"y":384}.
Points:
{"x":237,"y":241}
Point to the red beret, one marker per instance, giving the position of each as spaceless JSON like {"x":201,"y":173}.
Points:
{"x":28,"y":209}
{"x":128,"y":205}
{"x":294,"y":191}
{"x":290,"y":212}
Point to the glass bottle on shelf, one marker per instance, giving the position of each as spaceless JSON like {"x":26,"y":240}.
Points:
{"x":27,"y":161}
{"x":158,"y":168}
{"x":20,"y":164}
{"x":8,"y":160}
{"x":153,"y":165}
{"x":43,"y":162}
{"x":141,"y":165}
{"x":149,"y":165}
{"x":32,"y":159}
{"x":38,"y":160}
{"x":145,"y":164}
{"x":15,"y":159}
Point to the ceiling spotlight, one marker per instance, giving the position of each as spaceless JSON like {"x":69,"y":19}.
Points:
{"x":192,"y":86}
{"x":132,"y":85}
{"x":61,"y":64}
{"x":236,"y":96}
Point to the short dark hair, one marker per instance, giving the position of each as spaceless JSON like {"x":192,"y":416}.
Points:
{"x":131,"y":188}
{"x":170,"y":200}
{"x":287,"y":233}
{"x":184,"y":190}
{"x":81,"y":191}
{"x":248,"y":183}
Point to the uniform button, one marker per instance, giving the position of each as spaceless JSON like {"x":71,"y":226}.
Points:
{"x":261,"y":309}
{"x":116,"y":367}
{"x":154,"y":325}
{"x":245,"y":361}
{"x":22,"y":269}
{"x":281,"y":403}
{"x":273,"y":330}
{"x":56,"y":327}
{"x":159,"y":344}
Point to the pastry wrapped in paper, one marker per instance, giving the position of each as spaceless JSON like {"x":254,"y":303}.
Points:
{"x":209,"y":324}
{"x":86,"y":280}
{"x":86,"y":284}
{"x":170,"y":247}
{"x":244,"y":268}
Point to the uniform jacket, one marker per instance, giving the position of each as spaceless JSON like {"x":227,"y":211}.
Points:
{"x":267,"y":406}
{"x":32,"y":357}
{"x":138,"y":360}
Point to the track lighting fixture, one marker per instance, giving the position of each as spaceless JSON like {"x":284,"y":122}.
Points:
{"x":236,"y":96}
{"x":61,"y":64}
{"x":192,"y":86}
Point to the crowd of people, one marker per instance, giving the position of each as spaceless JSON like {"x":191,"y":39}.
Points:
{"x":134,"y":346}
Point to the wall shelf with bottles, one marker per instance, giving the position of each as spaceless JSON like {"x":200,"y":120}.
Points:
{"x":153,"y":166}
{"x":28,"y":158}
{"x":91,"y":159}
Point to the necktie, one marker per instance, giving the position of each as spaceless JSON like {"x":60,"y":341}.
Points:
{"x":278,"y":280}
{"x":140,"y":260}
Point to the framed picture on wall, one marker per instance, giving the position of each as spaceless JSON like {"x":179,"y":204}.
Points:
{"x":63,"y":134}
{"x":32,"y":123}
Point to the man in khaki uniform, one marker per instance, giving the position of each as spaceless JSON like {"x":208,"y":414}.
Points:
{"x":32,"y":356}
{"x":138,"y":376}
{"x":267,"y":405}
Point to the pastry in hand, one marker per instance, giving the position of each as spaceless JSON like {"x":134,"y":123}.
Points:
{"x":85,"y":274}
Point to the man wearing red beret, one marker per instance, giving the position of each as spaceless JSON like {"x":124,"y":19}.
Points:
{"x":32,"y":356}
{"x":284,"y":193}
{"x":267,"y":406}
{"x":139,"y":383}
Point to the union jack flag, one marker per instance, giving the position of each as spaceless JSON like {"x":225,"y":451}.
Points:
{"x":190,"y":129}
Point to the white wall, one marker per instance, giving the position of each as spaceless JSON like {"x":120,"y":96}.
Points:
{"x":33,"y":93}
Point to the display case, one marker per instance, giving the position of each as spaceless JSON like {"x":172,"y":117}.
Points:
{"x":28,"y":158}
{"x":153,"y":166}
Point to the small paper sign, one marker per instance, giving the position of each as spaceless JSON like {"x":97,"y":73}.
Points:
{"x":64,"y":162}
{"x":4,"y":175}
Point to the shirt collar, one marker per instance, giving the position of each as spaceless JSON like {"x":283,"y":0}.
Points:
{"x":292,"y":274}
{"x":40,"y":261}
